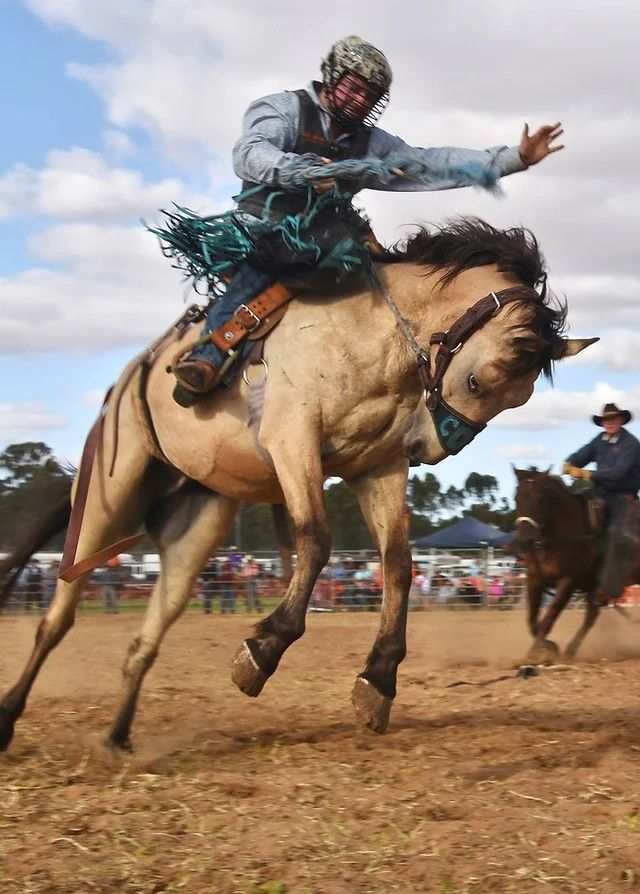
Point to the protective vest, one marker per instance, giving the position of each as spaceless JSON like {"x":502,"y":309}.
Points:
{"x":311,"y":138}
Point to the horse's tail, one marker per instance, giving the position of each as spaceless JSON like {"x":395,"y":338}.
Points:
{"x":32,"y":540}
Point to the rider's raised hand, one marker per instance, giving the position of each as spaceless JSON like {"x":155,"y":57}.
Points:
{"x":536,"y":146}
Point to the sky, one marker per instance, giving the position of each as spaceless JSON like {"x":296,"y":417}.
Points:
{"x":112,"y":111}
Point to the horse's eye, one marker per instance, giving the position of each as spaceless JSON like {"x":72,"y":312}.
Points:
{"x":473,"y":384}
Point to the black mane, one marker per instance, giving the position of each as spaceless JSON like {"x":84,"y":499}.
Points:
{"x":471,"y":242}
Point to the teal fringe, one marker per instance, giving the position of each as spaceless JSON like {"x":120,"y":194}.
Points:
{"x":206,"y":248}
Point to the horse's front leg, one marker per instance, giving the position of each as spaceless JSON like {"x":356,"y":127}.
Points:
{"x":545,"y":650}
{"x":381,"y":494}
{"x":300,"y":473}
{"x":535,"y":590}
{"x":590,"y":617}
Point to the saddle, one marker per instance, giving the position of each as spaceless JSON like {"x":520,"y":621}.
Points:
{"x":595,"y":513}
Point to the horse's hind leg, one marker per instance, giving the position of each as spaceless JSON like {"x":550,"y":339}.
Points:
{"x":112,"y":511}
{"x":57,"y":621}
{"x":187,"y":528}
{"x":591,"y":615}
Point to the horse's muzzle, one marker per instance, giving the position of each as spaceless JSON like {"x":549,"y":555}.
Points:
{"x":527,"y":532}
{"x":416,"y":451}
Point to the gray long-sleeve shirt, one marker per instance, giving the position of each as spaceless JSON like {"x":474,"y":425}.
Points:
{"x":270,"y":132}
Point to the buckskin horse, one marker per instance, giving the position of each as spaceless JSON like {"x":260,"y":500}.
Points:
{"x":472,"y":328}
{"x":558,"y":538}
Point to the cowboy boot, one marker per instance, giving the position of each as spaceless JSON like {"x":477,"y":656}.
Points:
{"x":198,"y":376}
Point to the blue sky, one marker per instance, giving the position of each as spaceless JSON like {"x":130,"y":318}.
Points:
{"x":111,"y":111}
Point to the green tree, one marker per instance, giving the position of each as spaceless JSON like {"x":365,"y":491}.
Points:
{"x":482,"y":488}
{"x":348,"y":527}
{"x":424,"y":495}
{"x":32,"y":481}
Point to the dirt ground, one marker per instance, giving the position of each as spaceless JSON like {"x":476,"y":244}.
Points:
{"x":512,"y":785}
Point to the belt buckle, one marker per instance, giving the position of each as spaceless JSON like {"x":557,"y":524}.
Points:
{"x":256,"y":319}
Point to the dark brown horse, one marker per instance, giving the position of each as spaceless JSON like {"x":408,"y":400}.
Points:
{"x":559,"y":541}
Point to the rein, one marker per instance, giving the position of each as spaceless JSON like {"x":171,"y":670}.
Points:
{"x":454,"y":430}
{"x":70,"y":567}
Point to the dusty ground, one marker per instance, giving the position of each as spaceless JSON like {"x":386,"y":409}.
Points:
{"x":517,"y":785}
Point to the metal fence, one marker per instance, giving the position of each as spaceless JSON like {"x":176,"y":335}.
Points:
{"x":348,"y":583}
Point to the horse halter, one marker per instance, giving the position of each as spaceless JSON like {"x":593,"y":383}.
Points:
{"x":454,"y":430}
{"x":536,"y":525}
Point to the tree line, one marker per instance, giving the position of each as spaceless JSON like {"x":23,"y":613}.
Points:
{"x":32,"y":480}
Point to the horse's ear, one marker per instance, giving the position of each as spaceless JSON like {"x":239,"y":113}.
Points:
{"x":548,"y":472}
{"x":569,"y":347}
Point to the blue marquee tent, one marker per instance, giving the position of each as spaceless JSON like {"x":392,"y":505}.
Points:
{"x":469,"y":533}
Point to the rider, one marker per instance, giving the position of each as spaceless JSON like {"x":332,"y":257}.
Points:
{"x":616,"y":453}
{"x":334,"y":121}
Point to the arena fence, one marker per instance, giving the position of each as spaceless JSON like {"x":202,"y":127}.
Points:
{"x":350,"y":582}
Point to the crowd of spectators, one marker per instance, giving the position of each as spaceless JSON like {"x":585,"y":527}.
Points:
{"x":34,"y":587}
{"x":355,"y":585}
{"x":234,"y":582}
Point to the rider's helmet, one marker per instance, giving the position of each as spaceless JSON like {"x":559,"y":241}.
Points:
{"x":351,"y":60}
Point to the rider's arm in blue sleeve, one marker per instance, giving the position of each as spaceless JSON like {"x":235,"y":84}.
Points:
{"x":584,"y":455}
{"x":382,"y":144}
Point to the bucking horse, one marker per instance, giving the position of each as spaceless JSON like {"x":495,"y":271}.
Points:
{"x":455,"y":328}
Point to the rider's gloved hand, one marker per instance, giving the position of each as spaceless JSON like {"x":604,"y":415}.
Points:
{"x":575,"y":472}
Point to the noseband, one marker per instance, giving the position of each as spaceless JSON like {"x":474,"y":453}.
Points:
{"x":454,"y":430}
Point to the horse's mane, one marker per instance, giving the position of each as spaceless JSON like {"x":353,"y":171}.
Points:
{"x":556,"y":481}
{"x":471,"y":242}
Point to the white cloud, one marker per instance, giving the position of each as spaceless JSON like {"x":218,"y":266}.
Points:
{"x":530,"y":453}
{"x":555,"y":409}
{"x":93,"y":398}
{"x":117,"y":289}
{"x":27,"y":421}
{"x":118,"y":143}
{"x":617,"y":351}
{"x":78,"y":184}
{"x":16,"y":191}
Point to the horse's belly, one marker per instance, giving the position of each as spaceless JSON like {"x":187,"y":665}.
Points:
{"x":221,"y":453}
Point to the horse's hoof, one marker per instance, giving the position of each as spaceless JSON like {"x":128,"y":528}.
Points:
{"x":371,"y":707}
{"x":543,"y":652}
{"x":246,"y":673}
{"x":115,"y":744}
{"x":6,"y":729}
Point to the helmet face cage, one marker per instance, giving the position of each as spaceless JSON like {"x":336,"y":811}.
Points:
{"x":354,"y":56}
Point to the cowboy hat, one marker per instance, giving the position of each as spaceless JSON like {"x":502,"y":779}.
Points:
{"x":611,"y":410}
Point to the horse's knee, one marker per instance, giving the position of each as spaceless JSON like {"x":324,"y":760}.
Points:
{"x":51,"y":630}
